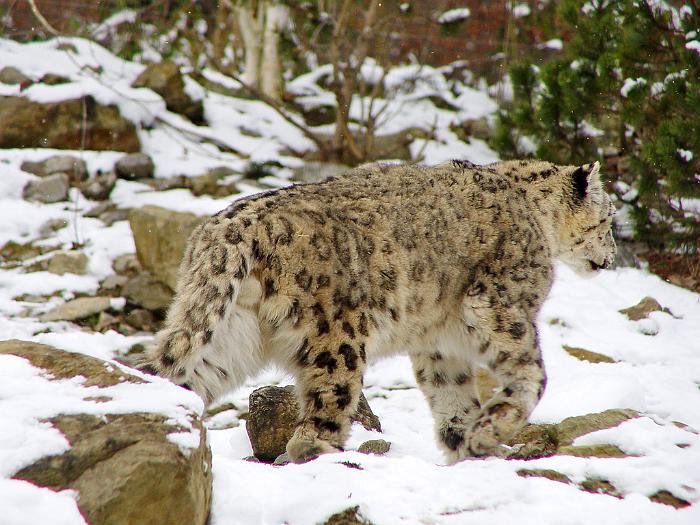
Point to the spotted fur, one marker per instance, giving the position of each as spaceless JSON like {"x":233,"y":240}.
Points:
{"x":450,"y":264}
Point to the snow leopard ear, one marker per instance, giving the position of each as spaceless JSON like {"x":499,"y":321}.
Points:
{"x":583,"y":176}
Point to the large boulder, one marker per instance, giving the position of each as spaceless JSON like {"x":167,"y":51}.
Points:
{"x":165,"y":79}
{"x":126,"y":467}
{"x":160,"y":236}
{"x":63,"y":125}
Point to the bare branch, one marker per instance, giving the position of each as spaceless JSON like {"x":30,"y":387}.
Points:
{"x":45,"y":23}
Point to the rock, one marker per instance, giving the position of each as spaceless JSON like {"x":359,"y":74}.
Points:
{"x":543,"y":440}
{"x":374,"y":446}
{"x":273,"y":416}
{"x":165,"y":79}
{"x":114,"y":215}
{"x":221,"y":171}
{"x":318,"y":171}
{"x":68,"y":262}
{"x":169,"y":183}
{"x":365,"y":417}
{"x":53,"y":188}
{"x":51,"y":79}
{"x":272,"y":420}
{"x":205,"y":185}
{"x":145,"y":291}
{"x":160,"y":236}
{"x":72,"y":166}
{"x":28,"y":124}
{"x":349,"y":516}
{"x":99,"y":209}
{"x":642,"y":309}
{"x":666,"y":498}
{"x":535,"y":441}
{"x":573,"y":427}
{"x":126,"y":264}
{"x":128,"y":467}
{"x":544,"y":473}
{"x":77,"y":309}
{"x":112,"y":285}
{"x":12,"y":75}
{"x":52,"y":226}
{"x":592,"y":451}
{"x":99,"y":187}
{"x":13,"y":251}
{"x":600,"y":486}
{"x":106,"y":322}
{"x":134,"y":166}
{"x":141,"y":320}
{"x":587,"y":355}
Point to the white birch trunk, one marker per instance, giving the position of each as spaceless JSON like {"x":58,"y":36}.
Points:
{"x":251,"y":32}
{"x":276,"y":19}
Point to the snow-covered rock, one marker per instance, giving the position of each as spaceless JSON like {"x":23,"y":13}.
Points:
{"x":75,"y":423}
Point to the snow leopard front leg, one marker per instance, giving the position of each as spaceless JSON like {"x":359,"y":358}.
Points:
{"x":328,"y":366}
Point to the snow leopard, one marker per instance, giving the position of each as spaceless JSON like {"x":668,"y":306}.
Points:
{"x":448,"y":264}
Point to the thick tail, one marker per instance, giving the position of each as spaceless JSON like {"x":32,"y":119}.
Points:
{"x":210,"y":278}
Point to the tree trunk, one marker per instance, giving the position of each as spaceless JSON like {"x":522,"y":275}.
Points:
{"x":276,"y":18}
{"x":251,"y":32}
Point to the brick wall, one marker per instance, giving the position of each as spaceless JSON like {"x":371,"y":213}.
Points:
{"x":474,"y":40}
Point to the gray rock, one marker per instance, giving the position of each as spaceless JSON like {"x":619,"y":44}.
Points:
{"x":72,"y":166}
{"x":53,"y":188}
{"x":165,"y":79}
{"x":99,"y":209}
{"x":126,"y":264}
{"x":273,"y":415}
{"x":169,"y":183}
{"x":12,"y":75}
{"x":52,"y":226}
{"x":112,"y":285}
{"x":28,"y":124}
{"x":145,"y":291}
{"x":68,"y":262}
{"x":124,"y":467}
{"x":161,"y":236}
{"x":374,"y":446}
{"x":141,"y":320}
{"x":112,"y":216}
{"x":134,"y":166}
{"x":99,"y":187}
{"x":77,"y":309}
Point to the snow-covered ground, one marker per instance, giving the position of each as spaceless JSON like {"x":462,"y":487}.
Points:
{"x":657,"y":375}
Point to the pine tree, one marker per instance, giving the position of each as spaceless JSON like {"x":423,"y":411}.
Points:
{"x":629,"y":77}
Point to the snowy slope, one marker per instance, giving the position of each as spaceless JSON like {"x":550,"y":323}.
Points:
{"x":657,"y":375}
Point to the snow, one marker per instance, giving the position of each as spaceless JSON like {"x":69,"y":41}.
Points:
{"x":630,"y":84}
{"x":521,"y":10}
{"x":656,"y":375}
{"x":454,"y":15}
{"x":685,"y":154}
{"x":693,"y":45}
{"x":554,"y":43}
